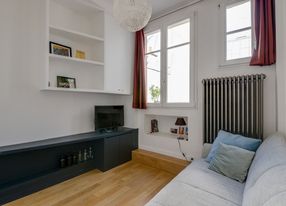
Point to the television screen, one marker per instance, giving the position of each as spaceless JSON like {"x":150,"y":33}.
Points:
{"x":108,"y":117}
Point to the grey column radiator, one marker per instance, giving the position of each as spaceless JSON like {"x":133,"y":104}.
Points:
{"x":234,"y":104}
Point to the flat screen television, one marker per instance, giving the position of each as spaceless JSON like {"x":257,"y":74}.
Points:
{"x":108,"y":117}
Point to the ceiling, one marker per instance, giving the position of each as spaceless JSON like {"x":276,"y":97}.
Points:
{"x":161,"y":6}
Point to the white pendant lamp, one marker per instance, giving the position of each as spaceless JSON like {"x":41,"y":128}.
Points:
{"x":132,"y":14}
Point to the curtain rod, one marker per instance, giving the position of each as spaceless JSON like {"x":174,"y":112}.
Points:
{"x":163,"y":14}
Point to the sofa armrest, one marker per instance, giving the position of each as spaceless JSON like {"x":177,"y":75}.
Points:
{"x":206,"y":149}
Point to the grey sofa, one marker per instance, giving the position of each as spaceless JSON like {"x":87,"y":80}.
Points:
{"x":198,"y":186}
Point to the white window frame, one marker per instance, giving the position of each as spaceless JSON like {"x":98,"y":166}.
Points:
{"x":162,"y":24}
{"x":152,"y":52}
{"x":223,"y":34}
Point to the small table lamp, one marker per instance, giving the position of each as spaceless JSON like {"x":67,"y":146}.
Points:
{"x":180,"y":122}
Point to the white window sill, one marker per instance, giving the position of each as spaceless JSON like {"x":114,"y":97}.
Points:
{"x":235,"y":63}
{"x":154,"y":105}
{"x":172,"y":105}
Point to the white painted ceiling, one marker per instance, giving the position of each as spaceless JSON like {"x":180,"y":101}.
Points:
{"x":161,"y":6}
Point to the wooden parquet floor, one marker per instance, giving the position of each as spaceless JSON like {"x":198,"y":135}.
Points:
{"x":131,"y":184}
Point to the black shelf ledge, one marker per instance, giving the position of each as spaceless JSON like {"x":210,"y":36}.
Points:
{"x":60,"y":141}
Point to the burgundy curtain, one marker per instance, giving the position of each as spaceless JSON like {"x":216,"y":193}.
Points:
{"x":139,"y":82}
{"x":264,"y":18}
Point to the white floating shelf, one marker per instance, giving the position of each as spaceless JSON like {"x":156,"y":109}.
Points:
{"x":73,"y":34}
{"x":72,"y":59}
{"x":83,"y":90}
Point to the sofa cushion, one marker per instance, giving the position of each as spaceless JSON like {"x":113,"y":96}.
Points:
{"x":197,"y":185}
{"x":232,"y":162}
{"x":266,"y":182}
{"x":180,"y":194}
{"x":237,"y":140}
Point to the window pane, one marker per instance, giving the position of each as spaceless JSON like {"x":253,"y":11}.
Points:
{"x":178,"y":77}
{"x":153,"y":77}
{"x":179,"y":33}
{"x":239,"y":45}
{"x":153,"y":42}
{"x":238,"y":17}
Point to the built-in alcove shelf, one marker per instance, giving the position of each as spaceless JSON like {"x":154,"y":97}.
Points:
{"x":165,"y":123}
{"x":78,"y":25}
{"x":73,"y":34}
{"x":81,"y":26}
{"x":75,"y":60}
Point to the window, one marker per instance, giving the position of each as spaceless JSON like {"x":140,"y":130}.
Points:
{"x":169,"y":64}
{"x":178,"y":72}
{"x":153,"y":61}
{"x":238,"y":32}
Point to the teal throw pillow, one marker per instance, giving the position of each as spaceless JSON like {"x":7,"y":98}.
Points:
{"x":237,"y":140}
{"x":232,"y":161}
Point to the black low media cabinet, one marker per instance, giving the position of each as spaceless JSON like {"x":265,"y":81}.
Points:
{"x":30,"y":167}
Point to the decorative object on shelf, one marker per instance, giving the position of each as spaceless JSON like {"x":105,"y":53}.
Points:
{"x":133,"y":15}
{"x":181,"y":130}
{"x":79,"y":157}
{"x":80,"y":54}
{"x":154,"y":126}
{"x":90,"y":154}
{"x":85,"y":157}
{"x":74,"y":161}
{"x":63,"y":162}
{"x":76,"y":158}
{"x":60,"y":49}
{"x":69,"y":160}
{"x":181,"y":123}
{"x":174,"y":130}
{"x":66,"y":82}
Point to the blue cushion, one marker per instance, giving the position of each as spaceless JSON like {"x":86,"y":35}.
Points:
{"x":237,"y":140}
{"x":232,"y":162}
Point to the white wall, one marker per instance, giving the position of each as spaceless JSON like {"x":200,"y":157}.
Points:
{"x":119,"y":51}
{"x":207,"y":66}
{"x":26,"y":113}
{"x":281,"y":63}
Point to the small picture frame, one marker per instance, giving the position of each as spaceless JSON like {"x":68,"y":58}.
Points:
{"x":174,"y":130}
{"x":60,"y":49}
{"x":80,"y":54}
{"x":181,"y":130}
{"x":66,"y":82}
{"x":154,"y":126}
